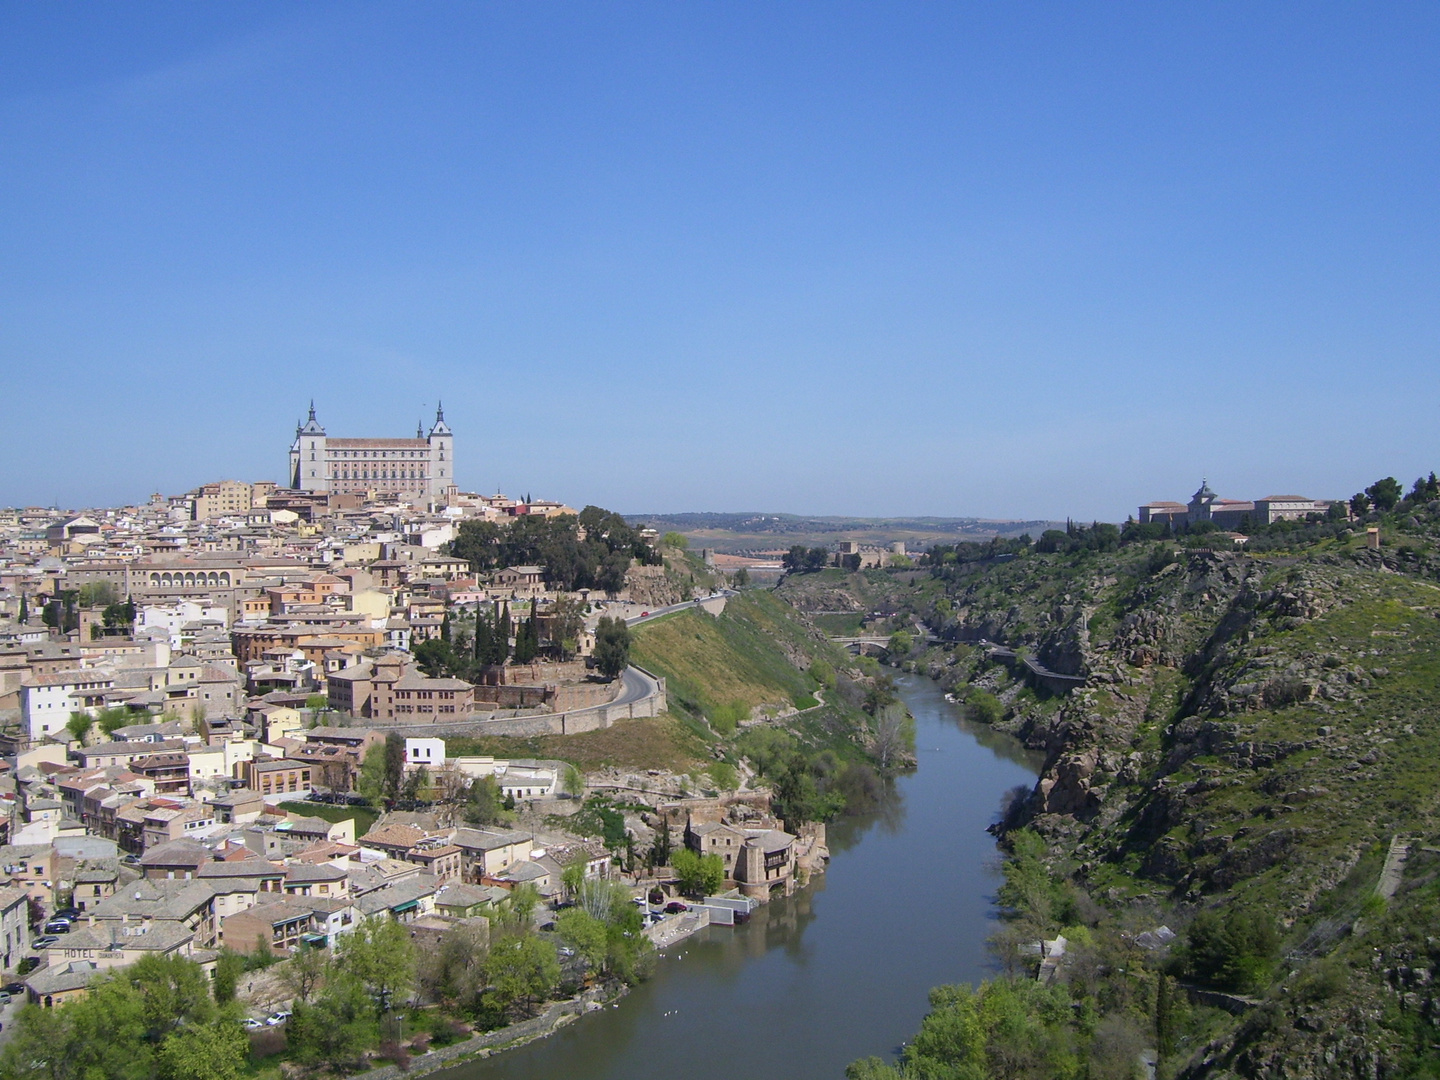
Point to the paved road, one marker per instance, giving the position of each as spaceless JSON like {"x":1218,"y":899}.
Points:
{"x":635,"y":685}
{"x":671,"y":608}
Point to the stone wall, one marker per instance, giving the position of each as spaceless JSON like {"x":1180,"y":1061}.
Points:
{"x":572,"y":722}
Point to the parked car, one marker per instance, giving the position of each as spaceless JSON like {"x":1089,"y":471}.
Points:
{"x":44,"y":942}
{"x":277,"y":1018}
{"x":674,"y":907}
{"x":4,"y":999}
{"x":58,"y":926}
{"x":15,"y":988}
{"x":70,"y":913}
{"x":251,"y":1023}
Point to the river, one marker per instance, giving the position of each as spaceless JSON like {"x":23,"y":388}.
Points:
{"x":839,"y":971}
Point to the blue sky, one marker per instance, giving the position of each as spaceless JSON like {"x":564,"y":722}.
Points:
{"x":1002,"y":260}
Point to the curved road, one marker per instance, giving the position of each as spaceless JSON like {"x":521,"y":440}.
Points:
{"x":635,"y":685}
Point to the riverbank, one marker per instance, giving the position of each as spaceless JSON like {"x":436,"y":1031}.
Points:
{"x":511,"y":1037}
{"x":815,"y":980}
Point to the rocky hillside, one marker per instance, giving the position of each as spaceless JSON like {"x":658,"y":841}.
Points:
{"x":1256,"y":732}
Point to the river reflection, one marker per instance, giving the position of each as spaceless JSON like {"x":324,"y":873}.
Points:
{"x":838,"y":971}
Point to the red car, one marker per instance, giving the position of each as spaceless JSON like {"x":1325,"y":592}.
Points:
{"x":675,"y":907}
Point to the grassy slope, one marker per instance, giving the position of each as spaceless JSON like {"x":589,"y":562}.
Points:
{"x":710,"y":662}
{"x":363,"y":815}
{"x":661,"y":743}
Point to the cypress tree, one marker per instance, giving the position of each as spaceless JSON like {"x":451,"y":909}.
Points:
{"x":502,"y":636}
{"x":24,"y":609}
{"x":482,"y":641}
{"x":445,"y":629}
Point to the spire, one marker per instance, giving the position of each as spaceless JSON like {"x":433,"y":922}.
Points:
{"x":439,"y":412}
{"x":312,"y":425}
{"x":419,"y":429}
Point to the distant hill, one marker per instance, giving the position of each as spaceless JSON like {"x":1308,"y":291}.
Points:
{"x":757,"y":531}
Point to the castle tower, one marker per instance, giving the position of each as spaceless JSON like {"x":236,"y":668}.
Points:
{"x":442,"y":455}
{"x":308,"y":466}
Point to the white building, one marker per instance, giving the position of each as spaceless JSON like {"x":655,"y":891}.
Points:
{"x":47,"y":702}
{"x":427,"y":752}
{"x":422,"y":468}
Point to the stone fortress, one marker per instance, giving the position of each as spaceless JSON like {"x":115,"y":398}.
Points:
{"x":1205,"y":505}
{"x":422,"y":467}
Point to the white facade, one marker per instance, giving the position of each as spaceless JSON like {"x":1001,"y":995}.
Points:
{"x":46,"y":706}
{"x":170,"y":619}
{"x":422,"y":468}
{"x":427,"y":752}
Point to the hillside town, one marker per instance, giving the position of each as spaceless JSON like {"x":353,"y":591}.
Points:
{"x":236,"y":720}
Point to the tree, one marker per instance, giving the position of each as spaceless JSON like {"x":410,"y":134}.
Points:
{"x":435,"y":657}
{"x":1385,"y":494}
{"x":214,"y":1051}
{"x":984,"y":706}
{"x":452,"y":787}
{"x":674,"y":540}
{"x":585,"y":934}
{"x":102,"y":1034}
{"x":1164,"y":1016}
{"x":381,"y":955}
{"x":174,"y":992}
{"x":24,"y":609}
{"x":527,"y":638}
{"x":612,"y":646}
{"x":394,"y":763}
{"x":371,"y":781}
{"x":699,"y":875}
{"x":798,"y":799}
{"x":1234,"y":950}
{"x":79,"y":725}
{"x":522,"y":971}
{"x":453,"y":973}
{"x":500,"y":644}
{"x":894,"y":734}
{"x":337,"y":1029}
{"x":228,"y":968}
{"x":484,"y":803}
{"x":567,"y":620}
{"x":1360,"y":504}
{"x":112,"y":718}
{"x":572,"y":781}
{"x":900,"y":644}
{"x":304,"y":973}
{"x":660,"y":847}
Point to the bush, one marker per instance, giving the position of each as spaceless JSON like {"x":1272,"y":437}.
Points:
{"x":1232,"y":951}
{"x":985,"y":707}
